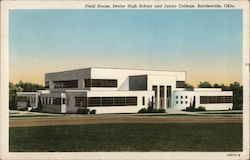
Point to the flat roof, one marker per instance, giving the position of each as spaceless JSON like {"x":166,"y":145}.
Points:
{"x":117,"y":69}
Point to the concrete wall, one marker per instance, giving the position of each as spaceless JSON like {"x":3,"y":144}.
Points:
{"x":122,"y":75}
{"x":30,"y":96}
{"x":197,"y":94}
{"x":79,"y":75}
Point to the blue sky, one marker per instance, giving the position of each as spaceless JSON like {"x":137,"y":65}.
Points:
{"x":205,"y":43}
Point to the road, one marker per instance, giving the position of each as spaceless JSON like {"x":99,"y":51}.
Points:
{"x":105,"y":119}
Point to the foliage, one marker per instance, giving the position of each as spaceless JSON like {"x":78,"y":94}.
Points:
{"x":204,"y":84}
{"x":35,"y":110}
{"x":161,"y":110}
{"x":82,"y":110}
{"x":22,"y":109}
{"x":201,"y":108}
{"x":150,"y":110}
{"x":92,"y":111}
{"x":193,"y":109}
{"x":29,"y":87}
{"x":235,"y":87}
{"x":188,"y":87}
{"x":143,"y":110}
{"x":20,"y":87}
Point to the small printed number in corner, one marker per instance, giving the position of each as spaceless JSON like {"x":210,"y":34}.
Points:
{"x":233,"y":155}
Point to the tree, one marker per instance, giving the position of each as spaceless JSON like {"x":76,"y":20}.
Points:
{"x":237,"y":95}
{"x":12,"y":95}
{"x":188,"y":86}
{"x":204,"y":84}
{"x":21,"y":86}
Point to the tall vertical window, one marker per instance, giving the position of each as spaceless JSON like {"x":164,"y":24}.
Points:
{"x":162,"y":96}
{"x":143,"y":100}
{"x":169,"y":95}
{"x":154,"y":88}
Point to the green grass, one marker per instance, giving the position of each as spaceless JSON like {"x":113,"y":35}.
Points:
{"x":127,"y":137}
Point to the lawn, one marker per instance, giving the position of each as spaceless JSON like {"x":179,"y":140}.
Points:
{"x":127,"y":137}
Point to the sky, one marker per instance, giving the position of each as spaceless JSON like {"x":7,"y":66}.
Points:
{"x":207,"y":44}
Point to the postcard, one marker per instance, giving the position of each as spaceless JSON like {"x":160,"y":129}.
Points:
{"x":125,"y":80}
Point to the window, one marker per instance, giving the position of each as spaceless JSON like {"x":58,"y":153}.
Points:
{"x":100,"y":83}
{"x":154,"y":88}
{"x":180,"y":84}
{"x":162,"y":96}
{"x":119,"y":101}
{"x":21,"y":98}
{"x":176,"y":102}
{"x":186,"y":97}
{"x":186,"y":102}
{"x":131,"y":101}
{"x":176,"y":97}
{"x":81,"y":101}
{"x":57,"y":101}
{"x":107,"y":101}
{"x":143,"y":100}
{"x":181,"y":97}
{"x":215,"y":99}
{"x":181,"y":102}
{"x":169,"y":95}
{"x":94,"y":101}
{"x":66,"y":84}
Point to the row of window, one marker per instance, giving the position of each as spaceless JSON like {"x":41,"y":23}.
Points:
{"x":25,"y":99}
{"x":176,"y":97}
{"x":66,"y":84}
{"x":52,"y":100}
{"x":215,"y":99}
{"x":100,"y":83}
{"x":162,"y":95}
{"x":105,"y":101}
{"x":182,"y":102}
{"x":88,"y":83}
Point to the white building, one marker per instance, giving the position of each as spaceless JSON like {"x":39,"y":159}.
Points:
{"x":109,"y":90}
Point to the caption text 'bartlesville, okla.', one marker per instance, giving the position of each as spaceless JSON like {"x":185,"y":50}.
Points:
{"x":145,"y":6}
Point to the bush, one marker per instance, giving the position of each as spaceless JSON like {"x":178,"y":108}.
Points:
{"x":83,"y":110}
{"x":161,"y":110}
{"x":200,"y":108}
{"x":151,"y":110}
{"x":92,"y":112}
{"x":190,"y":109}
{"x":22,"y":109}
{"x":35,"y":110}
{"x":143,"y":110}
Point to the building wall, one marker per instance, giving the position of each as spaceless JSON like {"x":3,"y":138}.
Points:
{"x":79,"y":75}
{"x":31,"y":97}
{"x":71,"y":107}
{"x":122,"y":75}
{"x":191,"y":94}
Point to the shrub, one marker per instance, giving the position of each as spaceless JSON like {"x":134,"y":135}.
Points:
{"x":200,"y":108}
{"x":83,"y":110}
{"x":161,"y":110}
{"x":190,"y":109}
{"x":22,"y":109}
{"x":92,"y":112}
{"x":35,"y":110}
{"x":143,"y":110}
{"x":151,"y":110}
